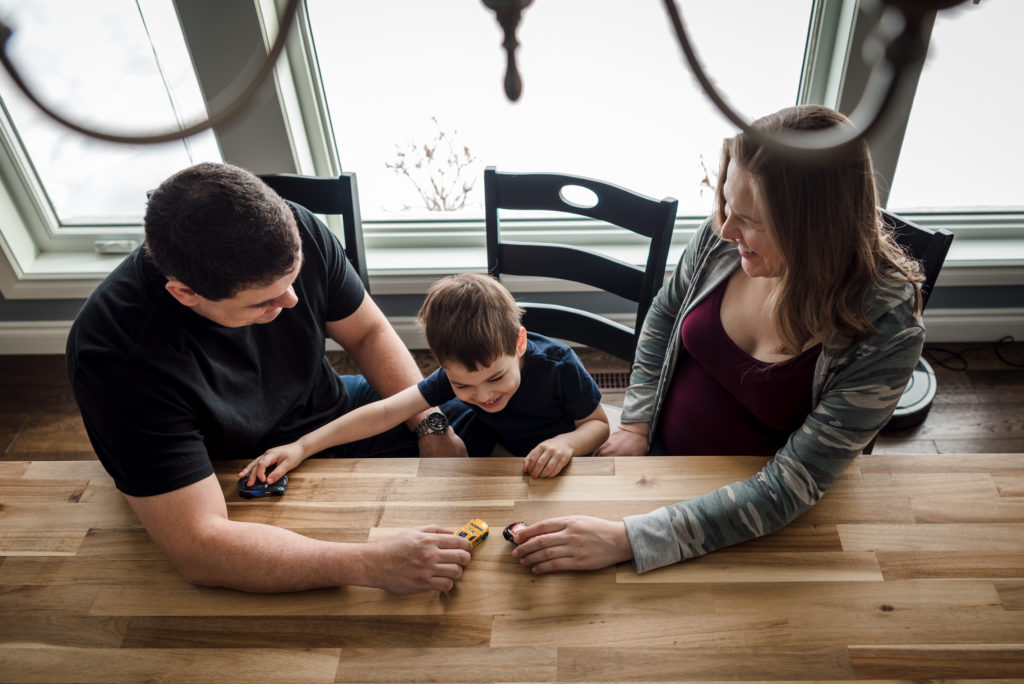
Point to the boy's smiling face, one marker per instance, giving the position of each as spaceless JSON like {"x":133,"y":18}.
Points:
{"x":492,"y":386}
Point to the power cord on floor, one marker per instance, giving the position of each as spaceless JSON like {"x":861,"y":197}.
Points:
{"x":953,"y":359}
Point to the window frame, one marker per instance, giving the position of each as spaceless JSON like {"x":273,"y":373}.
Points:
{"x":293,"y":120}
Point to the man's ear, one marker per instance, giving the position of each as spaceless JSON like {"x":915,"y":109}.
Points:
{"x":182,"y":292}
{"x":521,"y":342}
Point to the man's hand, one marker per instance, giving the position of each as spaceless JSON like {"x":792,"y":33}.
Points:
{"x":444,"y":445}
{"x":425,"y":559}
{"x":572,"y":543}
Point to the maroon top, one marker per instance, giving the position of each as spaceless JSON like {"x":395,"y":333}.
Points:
{"x":721,"y":400}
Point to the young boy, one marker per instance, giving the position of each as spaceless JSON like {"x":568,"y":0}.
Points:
{"x":529,"y":393}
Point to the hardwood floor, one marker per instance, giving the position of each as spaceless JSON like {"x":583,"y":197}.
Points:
{"x":977,"y":410}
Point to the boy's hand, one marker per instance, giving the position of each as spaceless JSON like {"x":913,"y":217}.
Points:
{"x":278,"y":460}
{"x":548,"y":458}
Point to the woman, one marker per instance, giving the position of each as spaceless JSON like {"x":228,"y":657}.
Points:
{"x":790,"y":327}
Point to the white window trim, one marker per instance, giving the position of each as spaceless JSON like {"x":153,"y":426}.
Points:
{"x":989,"y":248}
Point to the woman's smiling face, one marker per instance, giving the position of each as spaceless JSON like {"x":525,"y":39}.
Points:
{"x":744,"y":226}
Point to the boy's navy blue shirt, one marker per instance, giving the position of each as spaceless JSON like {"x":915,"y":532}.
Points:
{"x":555,"y":390}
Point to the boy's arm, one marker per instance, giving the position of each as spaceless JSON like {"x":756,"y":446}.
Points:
{"x":549,"y":457}
{"x":365,"y":421}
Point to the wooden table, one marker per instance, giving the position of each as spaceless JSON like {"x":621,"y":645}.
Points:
{"x":911,"y":567}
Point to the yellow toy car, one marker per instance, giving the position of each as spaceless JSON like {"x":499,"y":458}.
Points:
{"x":475,"y":531}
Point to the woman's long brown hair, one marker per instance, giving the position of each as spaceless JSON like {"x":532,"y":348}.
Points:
{"x":824,"y":219}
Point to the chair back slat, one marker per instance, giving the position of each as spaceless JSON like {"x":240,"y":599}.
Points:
{"x":323,"y":195}
{"x":645,"y":216}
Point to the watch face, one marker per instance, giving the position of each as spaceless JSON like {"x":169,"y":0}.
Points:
{"x":436,"y":421}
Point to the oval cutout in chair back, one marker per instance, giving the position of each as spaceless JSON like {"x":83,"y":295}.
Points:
{"x":578,"y":196}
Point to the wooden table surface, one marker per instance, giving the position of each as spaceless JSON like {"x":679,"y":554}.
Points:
{"x":911,"y":567}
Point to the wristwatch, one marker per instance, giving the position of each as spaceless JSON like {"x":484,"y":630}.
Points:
{"x":434,"y":424}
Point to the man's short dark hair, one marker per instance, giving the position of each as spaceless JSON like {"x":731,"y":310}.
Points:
{"x":219,"y":230}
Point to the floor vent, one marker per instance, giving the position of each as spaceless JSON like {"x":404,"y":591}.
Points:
{"x":611,"y":379}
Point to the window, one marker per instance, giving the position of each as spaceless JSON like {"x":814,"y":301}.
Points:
{"x":109,"y":64}
{"x":962,"y":148}
{"x":606,"y":94}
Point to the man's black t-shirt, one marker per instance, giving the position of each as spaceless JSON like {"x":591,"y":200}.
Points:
{"x":163,"y":390}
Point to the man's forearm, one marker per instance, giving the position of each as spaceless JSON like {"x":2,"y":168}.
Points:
{"x":262,"y":558}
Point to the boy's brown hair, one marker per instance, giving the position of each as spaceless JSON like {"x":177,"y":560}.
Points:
{"x":471,"y":319}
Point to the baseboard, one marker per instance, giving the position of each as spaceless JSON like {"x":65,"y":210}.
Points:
{"x":973,"y":325}
{"x":33,"y":337}
{"x":943,"y":325}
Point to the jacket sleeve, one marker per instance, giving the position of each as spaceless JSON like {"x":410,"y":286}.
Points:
{"x":858,"y":396}
{"x":656,"y":333}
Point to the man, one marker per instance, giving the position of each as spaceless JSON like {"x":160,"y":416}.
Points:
{"x":207,"y":342}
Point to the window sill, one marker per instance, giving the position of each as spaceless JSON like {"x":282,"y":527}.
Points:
{"x":974,"y":259}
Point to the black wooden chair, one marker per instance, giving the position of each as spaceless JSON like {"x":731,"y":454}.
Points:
{"x":645,"y":216}
{"x":930,"y":248}
{"x":324,"y":195}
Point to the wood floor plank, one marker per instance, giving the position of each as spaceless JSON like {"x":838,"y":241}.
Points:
{"x":19,"y":601}
{"x":961,"y":421}
{"x":35,"y":541}
{"x":119,"y":543}
{"x":639,"y":630}
{"x":74,"y":470}
{"x":612,"y":509}
{"x":888,"y":625}
{"x":80,"y":631}
{"x":503,"y":587}
{"x":186,"y":600}
{"x":79,"y":571}
{"x":940,"y":463}
{"x":950,"y":564}
{"x":505,"y":467}
{"x":805,"y":597}
{"x":285,"y":512}
{"x":58,"y":434}
{"x":359,"y":488}
{"x":12,"y":470}
{"x":938,"y":662}
{"x":1011,"y":594}
{"x":861,"y":506}
{"x":620,"y":487}
{"x":41,"y":490}
{"x":450,"y":514}
{"x":309,"y":631}
{"x":447,"y":664}
{"x":980,"y":445}
{"x":50,"y":515}
{"x":201,"y":666}
{"x":903,"y":442}
{"x":738,"y":467}
{"x":765,"y":567}
{"x":968,"y":509}
{"x":1010,"y":485}
{"x":938,"y":537}
{"x":676,"y":664}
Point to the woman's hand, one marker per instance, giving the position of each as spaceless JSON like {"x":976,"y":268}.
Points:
{"x":548,"y":458}
{"x":572,"y":543}
{"x":629,"y":440}
{"x":278,"y":461}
